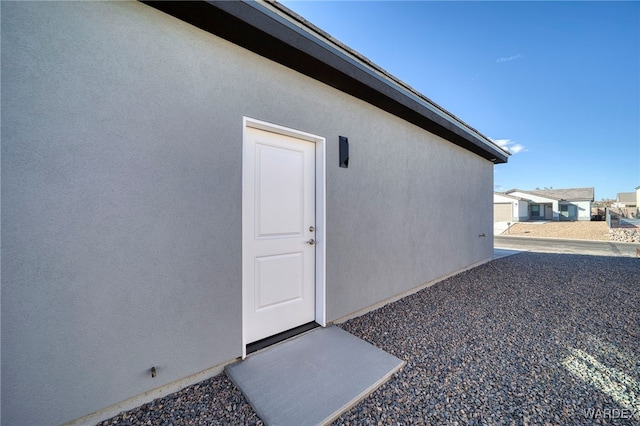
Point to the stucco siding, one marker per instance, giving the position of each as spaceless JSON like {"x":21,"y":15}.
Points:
{"x":402,"y":214}
{"x":584,"y":209}
{"x":523,"y":210}
{"x":121,"y":211}
{"x":122,"y":201}
{"x":497,"y":198}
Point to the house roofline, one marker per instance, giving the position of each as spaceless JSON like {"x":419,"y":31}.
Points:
{"x":551,"y":197}
{"x":277,"y":33}
{"x":503,"y":194}
{"x":535,"y":195}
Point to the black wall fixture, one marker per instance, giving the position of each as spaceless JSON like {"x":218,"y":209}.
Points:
{"x":344,"y":152}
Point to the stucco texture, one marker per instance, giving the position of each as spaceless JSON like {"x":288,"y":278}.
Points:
{"x":122,"y":201}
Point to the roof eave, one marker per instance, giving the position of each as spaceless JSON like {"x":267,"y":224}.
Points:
{"x":261,"y":30}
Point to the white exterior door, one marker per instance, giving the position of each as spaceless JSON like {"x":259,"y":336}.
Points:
{"x":278,"y":233}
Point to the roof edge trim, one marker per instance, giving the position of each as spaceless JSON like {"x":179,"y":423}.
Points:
{"x":276,"y":33}
{"x":376,"y":70}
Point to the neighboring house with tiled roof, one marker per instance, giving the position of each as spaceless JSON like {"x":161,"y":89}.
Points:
{"x":626,"y":204}
{"x":626,"y":199}
{"x":549,"y":204}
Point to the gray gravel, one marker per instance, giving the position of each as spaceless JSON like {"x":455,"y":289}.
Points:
{"x":215,"y":401}
{"x":527,"y":339}
{"x":625,"y":235}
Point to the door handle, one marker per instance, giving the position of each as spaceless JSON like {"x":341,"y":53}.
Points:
{"x":311,"y":242}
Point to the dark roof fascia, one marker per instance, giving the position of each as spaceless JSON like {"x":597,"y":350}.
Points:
{"x":257,"y":28}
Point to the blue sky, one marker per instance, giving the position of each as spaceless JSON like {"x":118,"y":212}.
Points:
{"x":557,"y":83}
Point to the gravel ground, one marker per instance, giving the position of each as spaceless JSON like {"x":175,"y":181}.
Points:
{"x":580,"y":230}
{"x":528,"y":339}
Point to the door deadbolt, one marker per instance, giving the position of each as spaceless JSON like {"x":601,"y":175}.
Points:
{"x":311,"y":242}
{"x":311,"y":229}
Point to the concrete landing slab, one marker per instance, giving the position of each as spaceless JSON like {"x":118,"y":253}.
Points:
{"x":313,"y":378}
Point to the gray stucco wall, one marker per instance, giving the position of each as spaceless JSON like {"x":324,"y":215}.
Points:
{"x":409,"y":209}
{"x":121,"y":201}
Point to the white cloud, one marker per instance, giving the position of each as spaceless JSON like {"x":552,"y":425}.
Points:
{"x":509,"y":145}
{"x":516,"y":148}
{"x":502,"y":143}
{"x":509,"y":58}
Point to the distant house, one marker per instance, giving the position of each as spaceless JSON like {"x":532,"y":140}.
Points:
{"x":626,"y":204}
{"x":626,"y":199}
{"x":544,"y":204}
{"x":509,"y":208}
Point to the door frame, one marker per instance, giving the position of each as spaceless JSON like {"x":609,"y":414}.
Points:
{"x":320,"y":201}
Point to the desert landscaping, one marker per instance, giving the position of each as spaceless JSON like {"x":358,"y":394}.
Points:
{"x":580,"y":230}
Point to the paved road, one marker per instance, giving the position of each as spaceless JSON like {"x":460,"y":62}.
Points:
{"x":557,"y":245}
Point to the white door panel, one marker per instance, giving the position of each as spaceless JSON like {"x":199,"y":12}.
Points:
{"x":280,"y":191}
{"x":278,"y":280}
{"x":278,"y":222}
